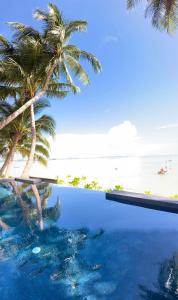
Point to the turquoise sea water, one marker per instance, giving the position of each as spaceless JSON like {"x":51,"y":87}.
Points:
{"x":88,"y":248}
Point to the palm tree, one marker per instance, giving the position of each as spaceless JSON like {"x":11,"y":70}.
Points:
{"x":22,"y":72}
{"x":163,"y":13}
{"x":57,"y":54}
{"x":16,"y":137}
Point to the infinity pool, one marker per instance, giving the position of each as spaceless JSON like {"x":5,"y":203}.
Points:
{"x":64,"y":243}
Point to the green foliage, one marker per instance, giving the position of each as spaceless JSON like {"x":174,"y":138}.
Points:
{"x":88,"y":186}
{"x":94,"y":185}
{"x":118,"y":188}
{"x":36,"y":61}
{"x":49,"y":48}
{"x":59,"y":180}
{"x":108,"y":190}
{"x":21,"y":126}
{"x":174,"y":196}
{"x":163,"y":13}
{"x":75,"y":181}
{"x":147,"y":193}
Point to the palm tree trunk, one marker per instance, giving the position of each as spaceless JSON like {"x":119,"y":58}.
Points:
{"x":19,"y":111}
{"x":5,"y":164}
{"x":30,"y":160}
{"x":5,"y":169}
{"x":10,"y":162}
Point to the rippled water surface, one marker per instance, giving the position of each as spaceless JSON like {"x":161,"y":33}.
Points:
{"x":61,"y":243}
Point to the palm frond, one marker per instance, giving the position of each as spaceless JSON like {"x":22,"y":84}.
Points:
{"x":55,"y":13}
{"x":56,"y":94}
{"x":77,"y":69}
{"x":8,"y":91}
{"x":40,"y":15}
{"x":92,"y":60}
{"x":46,"y":124}
{"x":23,"y":31}
{"x":42,"y":150}
{"x":63,"y":86}
{"x":41,"y":160}
{"x":41,"y":139}
{"x":4,"y":44}
{"x":40,"y":105}
{"x":75,"y":26}
{"x":14,"y":63}
{"x":163,"y":13}
{"x":132,"y":3}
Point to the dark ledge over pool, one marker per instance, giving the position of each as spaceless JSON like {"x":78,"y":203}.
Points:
{"x":152,"y":202}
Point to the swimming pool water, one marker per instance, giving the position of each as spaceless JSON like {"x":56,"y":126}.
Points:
{"x":76,"y":244}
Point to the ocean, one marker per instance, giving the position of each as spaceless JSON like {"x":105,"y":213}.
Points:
{"x":138,"y":174}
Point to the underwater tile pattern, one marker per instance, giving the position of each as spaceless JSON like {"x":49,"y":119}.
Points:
{"x":62,"y":243}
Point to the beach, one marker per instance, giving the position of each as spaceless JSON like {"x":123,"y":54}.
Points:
{"x":138,"y":174}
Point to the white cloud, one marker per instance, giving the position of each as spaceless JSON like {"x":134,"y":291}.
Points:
{"x":167,"y":126}
{"x":126,"y":132}
{"x":122,"y":139}
{"x":110,"y":38}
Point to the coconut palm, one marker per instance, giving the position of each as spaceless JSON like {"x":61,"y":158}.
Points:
{"x":164,"y":13}
{"x":22,"y":73}
{"x":52,"y":54}
{"x":25,"y":209}
{"x":16,"y":137}
{"x":58,"y":53}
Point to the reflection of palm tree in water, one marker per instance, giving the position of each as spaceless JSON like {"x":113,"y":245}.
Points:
{"x":23,"y":205}
{"x":26,"y":194}
{"x":42,"y":193}
{"x":20,"y":217}
{"x":3,"y":225}
{"x":38,"y":205}
{"x":167,"y":288}
{"x":22,"y":209}
{"x":59,"y":258}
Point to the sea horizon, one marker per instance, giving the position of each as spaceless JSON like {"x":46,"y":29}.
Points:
{"x":101,"y":157}
{"x":133,"y":173}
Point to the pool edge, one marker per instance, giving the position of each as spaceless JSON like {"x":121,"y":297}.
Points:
{"x":137,"y":199}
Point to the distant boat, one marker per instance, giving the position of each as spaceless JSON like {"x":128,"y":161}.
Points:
{"x":162,"y":171}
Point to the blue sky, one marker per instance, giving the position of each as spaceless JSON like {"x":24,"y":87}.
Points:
{"x":139,"y":81}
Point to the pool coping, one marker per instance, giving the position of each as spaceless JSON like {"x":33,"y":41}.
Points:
{"x":137,"y":199}
{"x":30,"y":180}
{"x":4,"y":180}
{"x":49,"y":180}
{"x":147,"y":201}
